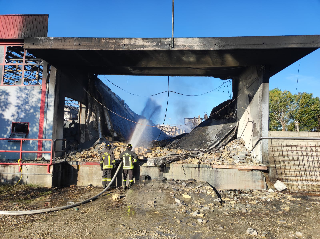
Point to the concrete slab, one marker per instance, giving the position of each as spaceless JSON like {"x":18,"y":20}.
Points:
{"x":220,"y":57}
{"x":221,"y":178}
{"x":31,"y":174}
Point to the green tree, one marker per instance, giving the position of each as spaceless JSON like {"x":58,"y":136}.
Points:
{"x":306,"y":112}
{"x":280,"y":109}
{"x":287,"y":111}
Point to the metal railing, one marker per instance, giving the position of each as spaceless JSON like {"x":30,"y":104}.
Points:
{"x":21,"y":151}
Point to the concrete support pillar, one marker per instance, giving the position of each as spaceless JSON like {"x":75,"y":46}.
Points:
{"x":252,"y":93}
{"x":51,"y":93}
{"x":58,"y":118}
{"x":82,"y":122}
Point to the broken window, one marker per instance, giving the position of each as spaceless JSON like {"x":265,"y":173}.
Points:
{"x":14,"y":55}
{"x":18,"y":67}
{"x":12,"y":75}
{"x":33,"y":70}
{"x":19,"y":130}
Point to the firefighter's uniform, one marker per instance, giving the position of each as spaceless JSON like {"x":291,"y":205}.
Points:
{"x":128,"y":159}
{"x":107,"y":162}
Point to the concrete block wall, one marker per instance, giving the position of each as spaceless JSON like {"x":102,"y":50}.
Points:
{"x":221,"y":178}
{"x":84,"y":174}
{"x":294,"y":134}
{"x":31,"y":174}
{"x":295,"y":162}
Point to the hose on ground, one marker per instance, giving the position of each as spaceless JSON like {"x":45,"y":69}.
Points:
{"x":16,"y":182}
{"x":18,"y":213}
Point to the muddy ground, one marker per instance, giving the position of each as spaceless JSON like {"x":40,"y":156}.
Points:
{"x":160,"y":209}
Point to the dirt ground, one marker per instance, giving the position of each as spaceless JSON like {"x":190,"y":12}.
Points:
{"x":160,"y":209}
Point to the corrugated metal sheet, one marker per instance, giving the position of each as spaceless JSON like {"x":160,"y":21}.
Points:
{"x":23,"y":26}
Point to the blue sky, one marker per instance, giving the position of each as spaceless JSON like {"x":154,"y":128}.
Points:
{"x":148,"y":18}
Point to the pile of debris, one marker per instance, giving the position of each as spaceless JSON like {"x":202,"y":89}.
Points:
{"x":87,"y":155}
{"x":93,"y":153}
{"x":234,"y":153}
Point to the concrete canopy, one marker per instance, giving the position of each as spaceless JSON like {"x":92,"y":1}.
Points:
{"x":220,"y":57}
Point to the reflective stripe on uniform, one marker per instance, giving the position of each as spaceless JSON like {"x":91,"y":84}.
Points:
{"x":130,"y":181}
{"x":104,"y":179}
{"x":127,"y":164}
{"x":108,"y":165}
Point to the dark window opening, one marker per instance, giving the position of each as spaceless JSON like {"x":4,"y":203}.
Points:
{"x":19,"y":130}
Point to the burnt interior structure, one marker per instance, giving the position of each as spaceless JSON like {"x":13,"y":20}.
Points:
{"x":70,"y":66}
{"x":248,"y":61}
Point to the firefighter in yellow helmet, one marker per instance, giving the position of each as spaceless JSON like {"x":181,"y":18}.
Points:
{"x":128,"y":159}
{"x":107,"y":161}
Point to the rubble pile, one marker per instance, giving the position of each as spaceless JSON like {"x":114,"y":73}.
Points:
{"x":234,"y":153}
{"x":160,"y":209}
{"x":93,"y":153}
{"x":90,"y":154}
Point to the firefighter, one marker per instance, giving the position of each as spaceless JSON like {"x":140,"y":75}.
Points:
{"x":129,"y":158}
{"x":107,"y":162}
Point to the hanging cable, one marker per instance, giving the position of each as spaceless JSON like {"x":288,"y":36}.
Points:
{"x":166,"y":108}
{"x":217,"y":88}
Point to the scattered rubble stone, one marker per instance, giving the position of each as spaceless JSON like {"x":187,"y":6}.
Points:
{"x":158,"y":209}
{"x":234,"y":153}
{"x":251,"y":232}
{"x":280,"y":186}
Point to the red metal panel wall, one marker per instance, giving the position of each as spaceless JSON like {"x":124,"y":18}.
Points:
{"x":23,"y":26}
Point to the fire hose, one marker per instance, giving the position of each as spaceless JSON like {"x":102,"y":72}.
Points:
{"x":18,"y":180}
{"x":18,"y":213}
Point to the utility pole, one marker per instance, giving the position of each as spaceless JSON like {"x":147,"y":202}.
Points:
{"x":172,"y":40}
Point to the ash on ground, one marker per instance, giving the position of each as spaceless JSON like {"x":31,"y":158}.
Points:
{"x":160,"y":209}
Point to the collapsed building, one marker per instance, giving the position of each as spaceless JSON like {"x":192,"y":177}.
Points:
{"x":39,"y":73}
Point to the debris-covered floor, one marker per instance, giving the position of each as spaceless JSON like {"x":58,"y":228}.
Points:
{"x":160,"y":209}
{"x":234,"y":153}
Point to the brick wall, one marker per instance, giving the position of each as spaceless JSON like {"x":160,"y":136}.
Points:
{"x":296,"y":162}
